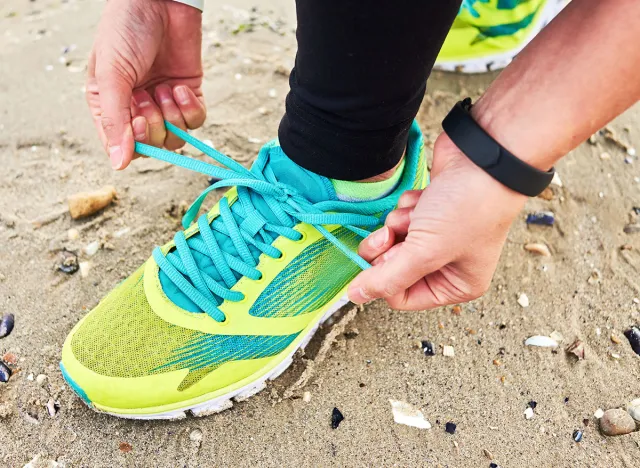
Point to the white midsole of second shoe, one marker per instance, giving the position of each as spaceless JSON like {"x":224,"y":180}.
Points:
{"x":223,"y":402}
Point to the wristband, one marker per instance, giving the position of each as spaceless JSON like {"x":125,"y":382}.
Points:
{"x":489,"y":155}
{"x":199,"y":4}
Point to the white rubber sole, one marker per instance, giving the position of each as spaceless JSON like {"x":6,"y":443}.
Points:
{"x":224,"y":402}
{"x":501,"y":60}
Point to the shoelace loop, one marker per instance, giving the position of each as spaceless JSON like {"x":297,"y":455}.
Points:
{"x":254,"y":232}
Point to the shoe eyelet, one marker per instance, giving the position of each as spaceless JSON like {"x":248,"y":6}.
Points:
{"x":302,"y":238}
{"x":259,"y":280}
{"x":243,"y":300}
{"x":281,"y":258}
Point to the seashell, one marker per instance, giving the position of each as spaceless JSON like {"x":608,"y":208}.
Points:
{"x":5,"y":372}
{"x":523,"y":300}
{"x":633,"y":335}
{"x":448,"y":351}
{"x":577,"y":349}
{"x":633,"y":409}
{"x":405,"y":413}
{"x":542,"y":341}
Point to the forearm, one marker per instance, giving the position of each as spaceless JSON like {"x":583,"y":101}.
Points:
{"x":577,"y":75}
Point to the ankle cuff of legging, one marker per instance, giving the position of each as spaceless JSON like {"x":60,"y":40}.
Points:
{"x":332,"y":150}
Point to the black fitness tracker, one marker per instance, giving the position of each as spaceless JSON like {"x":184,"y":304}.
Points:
{"x":488,"y":154}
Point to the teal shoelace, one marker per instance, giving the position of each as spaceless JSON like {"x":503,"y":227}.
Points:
{"x":286,"y":203}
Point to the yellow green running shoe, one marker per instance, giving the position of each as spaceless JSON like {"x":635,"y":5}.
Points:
{"x":487,"y":34}
{"x":223,"y":307}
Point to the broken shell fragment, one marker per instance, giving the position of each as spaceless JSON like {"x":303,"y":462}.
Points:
{"x":6,"y":325}
{"x":448,"y":351}
{"x":5,"y":372}
{"x":577,"y":349}
{"x":541,"y":341}
{"x":87,"y":203}
{"x":544,"y":218}
{"x":523,"y":300}
{"x":68,"y":262}
{"x":633,"y":335}
{"x":538,"y":248}
{"x":405,"y":413}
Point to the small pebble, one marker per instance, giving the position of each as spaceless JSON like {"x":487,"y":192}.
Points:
{"x":632,"y":228}
{"x":543,"y":218}
{"x":85,"y":267}
{"x":336,"y":418}
{"x":616,"y":422}
{"x":547,"y":194}
{"x":493,"y":465}
{"x":532,"y":404}
{"x":40,"y":379}
{"x":615,"y":339}
{"x":604,"y":156}
{"x":523,"y":300}
{"x":73,"y":234}
{"x":633,"y":335}
{"x":6,"y":325}
{"x":528,"y":413}
{"x":450,"y":428}
{"x":85,"y":204}
{"x":598,"y":413}
{"x":633,"y":408}
{"x":92,"y":248}
{"x":577,"y":435}
{"x":10,"y":358}
{"x":5,"y":372}
{"x":125,"y":447}
{"x":196,"y":436}
{"x":538,"y":248}
{"x":427,"y":348}
{"x":448,"y":351}
{"x":306,"y":397}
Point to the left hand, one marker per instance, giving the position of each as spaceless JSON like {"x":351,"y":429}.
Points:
{"x":442,"y":244}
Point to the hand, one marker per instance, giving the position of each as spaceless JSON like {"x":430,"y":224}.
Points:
{"x":145,"y":67}
{"x":442,"y":244}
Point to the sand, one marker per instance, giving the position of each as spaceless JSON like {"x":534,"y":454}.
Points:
{"x":49,"y":151}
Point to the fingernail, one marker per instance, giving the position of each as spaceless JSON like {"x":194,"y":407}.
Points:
{"x":116,"y":156}
{"x":379,"y":238}
{"x":163,"y":94}
{"x":359,"y":296}
{"x":182,"y":95}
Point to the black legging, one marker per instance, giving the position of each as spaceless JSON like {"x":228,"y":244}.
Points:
{"x":358,"y":81}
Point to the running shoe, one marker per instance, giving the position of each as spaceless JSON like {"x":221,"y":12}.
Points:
{"x":487,"y":34}
{"x":223,"y":307}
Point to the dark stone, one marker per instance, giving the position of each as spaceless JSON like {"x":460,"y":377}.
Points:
{"x":633,"y":335}
{"x":68,"y":262}
{"x":577,"y":435}
{"x":6,"y":325}
{"x":336,"y":418}
{"x":450,"y":428}
{"x":532,"y":404}
{"x":427,"y":348}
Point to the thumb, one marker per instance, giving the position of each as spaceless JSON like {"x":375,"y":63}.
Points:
{"x":115,"y":102}
{"x":404,"y":265}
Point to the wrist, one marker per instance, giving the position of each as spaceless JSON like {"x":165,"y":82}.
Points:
{"x":504,"y":121}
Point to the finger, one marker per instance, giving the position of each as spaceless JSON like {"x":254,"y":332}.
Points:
{"x":92,"y":97}
{"x":140,"y":129}
{"x":115,"y":102}
{"x":410,"y":262}
{"x":398,"y":221}
{"x":192,"y":107}
{"x":171,"y":113}
{"x":376,"y":244}
{"x":147,"y":108}
{"x":409,"y":199}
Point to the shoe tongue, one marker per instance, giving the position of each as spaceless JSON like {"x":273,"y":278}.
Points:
{"x":313,"y":187}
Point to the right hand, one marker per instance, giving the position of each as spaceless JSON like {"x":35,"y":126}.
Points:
{"x":145,"y":67}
